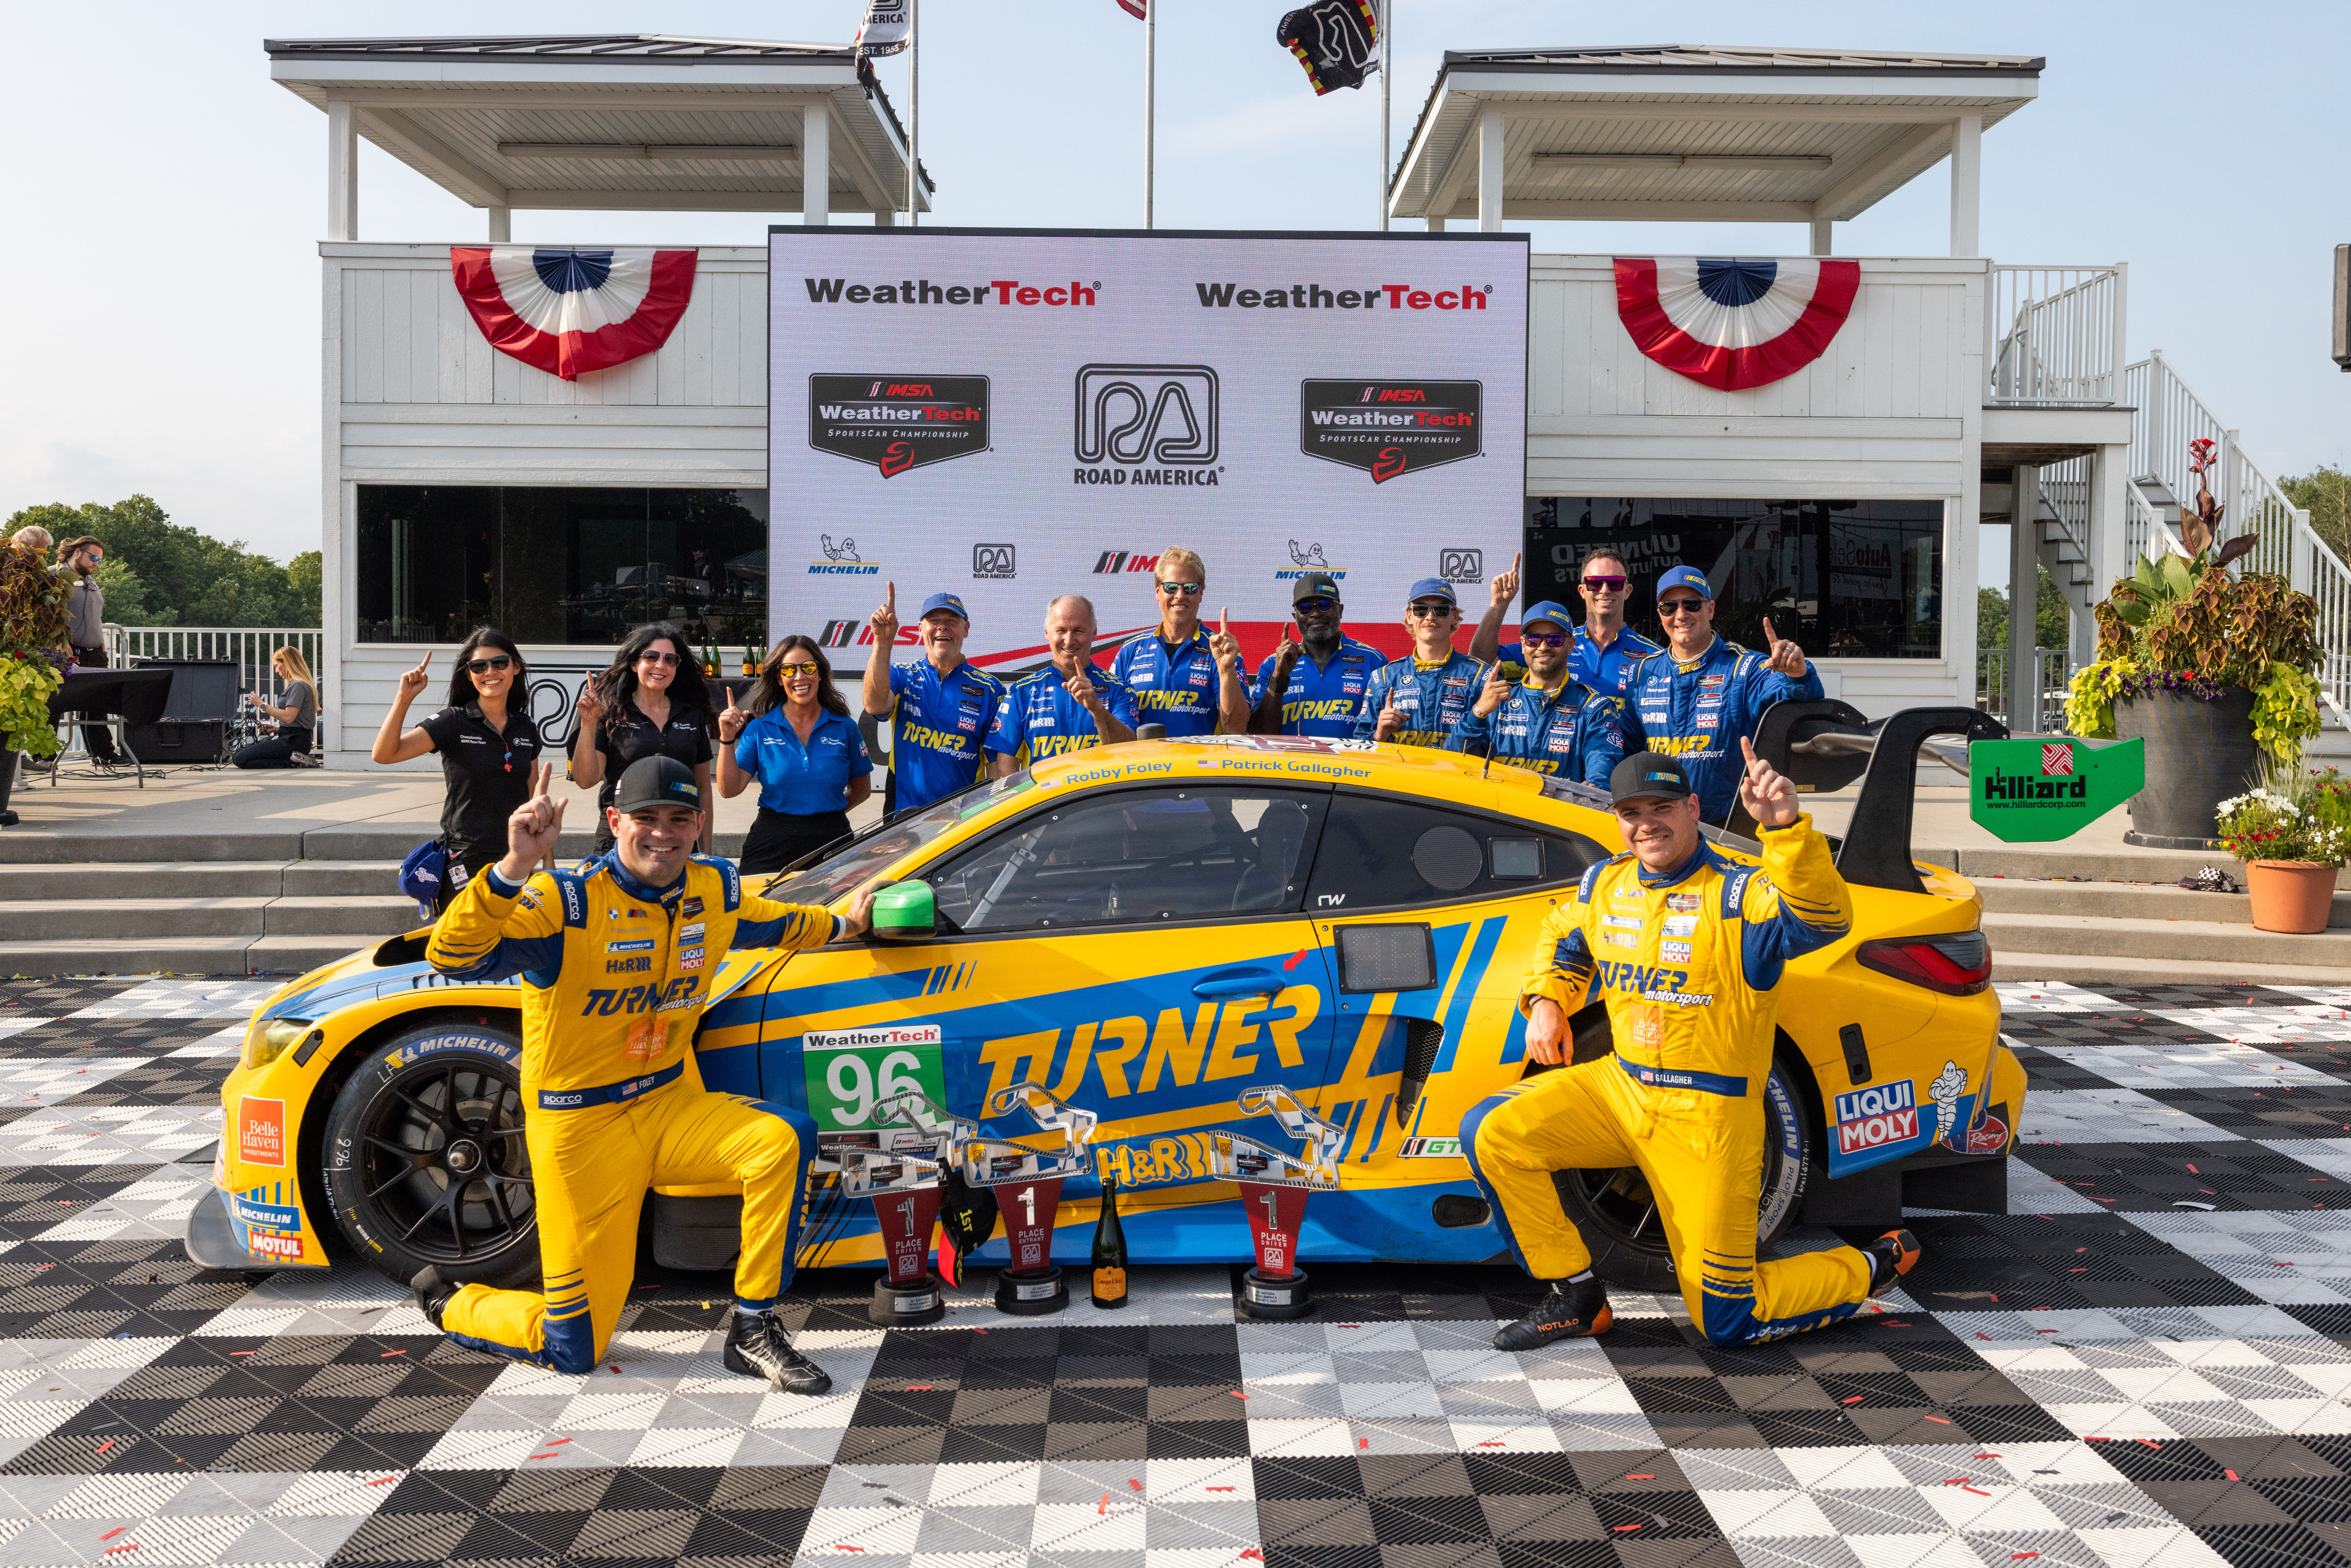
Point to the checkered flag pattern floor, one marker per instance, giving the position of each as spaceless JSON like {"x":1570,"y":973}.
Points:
{"x":2147,"y":1363}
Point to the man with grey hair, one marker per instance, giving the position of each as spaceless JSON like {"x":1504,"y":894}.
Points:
{"x":1066,"y":706}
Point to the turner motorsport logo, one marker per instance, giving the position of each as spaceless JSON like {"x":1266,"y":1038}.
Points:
{"x":1146,"y":424}
{"x":1390,"y":428}
{"x":897,"y":422}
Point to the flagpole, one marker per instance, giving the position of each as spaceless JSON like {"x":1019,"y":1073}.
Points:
{"x":1386,"y":15}
{"x":1149,"y":78}
{"x":915,"y":113}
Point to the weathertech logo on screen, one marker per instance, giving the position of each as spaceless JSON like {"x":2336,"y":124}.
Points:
{"x":897,"y":422}
{"x":1146,"y":424}
{"x":1388,"y":428}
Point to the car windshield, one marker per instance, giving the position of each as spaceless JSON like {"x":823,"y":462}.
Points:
{"x":886,"y":842}
{"x":1586,"y":795}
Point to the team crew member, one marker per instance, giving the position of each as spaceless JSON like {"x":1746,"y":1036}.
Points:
{"x":1545,"y":722}
{"x":1066,"y":706}
{"x":1182,"y":678}
{"x":487,"y":746}
{"x":1605,"y":653}
{"x":638,"y":707}
{"x":799,"y":741}
{"x":1701,"y":697}
{"x":1315,"y":686}
{"x":941,"y":706}
{"x":1685,"y":943}
{"x":1419,"y":701}
{"x":613,"y":1104}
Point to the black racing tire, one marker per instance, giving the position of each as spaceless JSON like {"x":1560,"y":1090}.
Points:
{"x":1612,"y":1209}
{"x":425,"y":1157}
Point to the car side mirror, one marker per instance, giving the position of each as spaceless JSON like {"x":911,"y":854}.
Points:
{"x":906,"y":912}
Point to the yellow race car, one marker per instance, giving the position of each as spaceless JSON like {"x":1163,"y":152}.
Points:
{"x":1147,"y":930}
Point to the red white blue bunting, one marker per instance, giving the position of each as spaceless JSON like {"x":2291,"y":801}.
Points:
{"x":571,"y":311}
{"x":1737,"y":321}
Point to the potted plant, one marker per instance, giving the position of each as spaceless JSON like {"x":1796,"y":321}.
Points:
{"x":33,"y":653}
{"x":2211,"y":669}
{"x":2293,"y":833}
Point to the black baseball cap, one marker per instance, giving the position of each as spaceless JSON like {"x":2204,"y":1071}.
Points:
{"x":1315,"y":585}
{"x":1645,"y":774}
{"x":657,"y":781}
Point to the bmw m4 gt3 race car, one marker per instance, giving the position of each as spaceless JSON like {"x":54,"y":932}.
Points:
{"x":1147,"y":930}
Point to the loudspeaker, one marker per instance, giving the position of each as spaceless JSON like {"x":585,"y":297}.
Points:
{"x":179,"y":740}
{"x":201,"y":688}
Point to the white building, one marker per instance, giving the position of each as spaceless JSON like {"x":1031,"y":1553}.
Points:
{"x":462,"y":486}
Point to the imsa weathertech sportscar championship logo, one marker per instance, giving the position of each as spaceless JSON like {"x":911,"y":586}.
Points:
{"x":897,"y":422}
{"x":1146,"y":424}
{"x":1388,"y":428}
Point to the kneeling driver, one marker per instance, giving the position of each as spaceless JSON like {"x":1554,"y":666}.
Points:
{"x":616,"y":963}
{"x":1687,"y":942}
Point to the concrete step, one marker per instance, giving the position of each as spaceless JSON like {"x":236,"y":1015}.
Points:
{"x":76,"y":919}
{"x":352,"y":916}
{"x":147,"y":879}
{"x":2181,"y":944}
{"x":341,"y":879}
{"x":2042,"y":864}
{"x":2130,"y":901}
{"x":175,"y":956}
{"x":2096,"y":971}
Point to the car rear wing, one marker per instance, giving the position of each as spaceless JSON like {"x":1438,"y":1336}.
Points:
{"x":1825,"y":745}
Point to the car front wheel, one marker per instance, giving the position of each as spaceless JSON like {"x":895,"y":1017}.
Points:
{"x":1617,"y":1214}
{"x":425,"y":1159}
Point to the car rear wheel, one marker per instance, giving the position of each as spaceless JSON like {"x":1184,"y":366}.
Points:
{"x":1618,"y":1215}
{"x":425,"y":1159}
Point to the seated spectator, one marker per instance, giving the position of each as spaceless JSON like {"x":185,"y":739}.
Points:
{"x":297,"y":721}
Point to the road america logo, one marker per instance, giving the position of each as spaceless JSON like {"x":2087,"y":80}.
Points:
{"x":1146,"y":424}
{"x":1388,"y":428}
{"x":997,"y":562}
{"x":1458,"y":566}
{"x":898,"y":422}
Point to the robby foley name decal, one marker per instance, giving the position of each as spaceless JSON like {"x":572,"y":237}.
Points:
{"x":1387,"y":427}
{"x":898,"y":421}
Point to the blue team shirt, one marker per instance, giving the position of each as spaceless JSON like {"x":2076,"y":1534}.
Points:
{"x":1576,"y":733}
{"x":1325,"y":700}
{"x":1178,"y":692}
{"x":1698,"y":711}
{"x":1037,"y":719}
{"x":939,"y":727}
{"x":1608,"y":670}
{"x":802,"y":781}
{"x":1432,"y":697}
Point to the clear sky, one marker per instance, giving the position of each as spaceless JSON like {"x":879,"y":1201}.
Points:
{"x":166,"y":196}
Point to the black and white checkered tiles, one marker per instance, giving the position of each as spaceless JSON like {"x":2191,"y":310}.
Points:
{"x":2146,"y":1365}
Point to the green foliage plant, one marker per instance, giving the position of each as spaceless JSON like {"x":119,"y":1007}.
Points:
{"x":33,"y":652}
{"x":2291,"y":815}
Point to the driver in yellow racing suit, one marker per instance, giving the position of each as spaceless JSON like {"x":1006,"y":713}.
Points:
{"x":1687,"y":942}
{"x":616,"y":962}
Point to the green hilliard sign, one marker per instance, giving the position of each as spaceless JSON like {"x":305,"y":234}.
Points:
{"x":2029,"y":791}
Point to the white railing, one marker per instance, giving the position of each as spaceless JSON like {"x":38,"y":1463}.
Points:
{"x":2056,"y":673}
{"x":2053,"y":335}
{"x":2170,"y":417}
{"x":250,"y":648}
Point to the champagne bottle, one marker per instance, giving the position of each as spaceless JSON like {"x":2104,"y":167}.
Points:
{"x":1109,"y":1250}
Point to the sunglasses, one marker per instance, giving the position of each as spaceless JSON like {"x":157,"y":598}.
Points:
{"x":1186,"y":589}
{"x":483,"y":666}
{"x":797,"y":667}
{"x":1427,"y":611}
{"x":1315,"y":606}
{"x":1605,"y":584}
{"x":1678,"y":606}
{"x":1542,"y":639}
{"x":651,"y":656}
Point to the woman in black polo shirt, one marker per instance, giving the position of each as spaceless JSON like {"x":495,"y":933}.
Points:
{"x":650,"y":701}
{"x":487,"y":745}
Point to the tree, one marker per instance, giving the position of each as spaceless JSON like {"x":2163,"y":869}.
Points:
{"x":2053,"y":625}
{"x":2326,"y":494}
{"x":183,"y":578}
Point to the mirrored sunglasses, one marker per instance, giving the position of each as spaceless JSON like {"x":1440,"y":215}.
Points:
{"x":1542,"y":639}
{"x":1678,"y":606}
{"x":1605,"y":584}
{"x":1186,"y":589}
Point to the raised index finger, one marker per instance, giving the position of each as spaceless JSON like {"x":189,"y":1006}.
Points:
{"x":1748,"y":746}
{"x":1516,"y":557}
{"x":1768,"y":635}
{"x":890,"y":597}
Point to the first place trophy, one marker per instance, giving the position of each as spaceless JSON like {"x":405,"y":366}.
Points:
{"x":903,"y":1183}
{"x":1274,"y":1185}
{"x":1027,"y":1188}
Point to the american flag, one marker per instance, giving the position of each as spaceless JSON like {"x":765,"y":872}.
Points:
{"x":2057,"y":758}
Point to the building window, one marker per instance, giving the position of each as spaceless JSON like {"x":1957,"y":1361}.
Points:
{"x":560,"y":564}
{"x":1847,"y":579}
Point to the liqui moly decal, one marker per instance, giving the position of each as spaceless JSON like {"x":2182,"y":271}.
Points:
{"x":1869,"y":1117}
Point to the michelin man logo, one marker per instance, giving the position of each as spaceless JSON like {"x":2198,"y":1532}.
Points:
{"x":1944,"y":1092}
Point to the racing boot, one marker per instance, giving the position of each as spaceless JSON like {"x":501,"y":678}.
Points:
{"x":433,"y":1289}
{"x":755,"y":1347}
{"x":1575,"y":1309}
{"x":1891,"y":1256}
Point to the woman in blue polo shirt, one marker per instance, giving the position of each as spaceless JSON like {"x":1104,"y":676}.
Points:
{"x":797,"y":740}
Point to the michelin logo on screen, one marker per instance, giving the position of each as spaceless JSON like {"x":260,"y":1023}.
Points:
{"x":1146,"y":424}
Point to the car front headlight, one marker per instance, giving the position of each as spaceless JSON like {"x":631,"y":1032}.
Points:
{"x":266,"y":1039}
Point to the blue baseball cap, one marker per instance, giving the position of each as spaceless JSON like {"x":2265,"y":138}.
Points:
{"x":947,"y":602}
{"x":1432,"y":588}
{"x":1684,"y":577}
{"x":1549,"y":609}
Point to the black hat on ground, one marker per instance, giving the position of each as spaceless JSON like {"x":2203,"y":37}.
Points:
{"x":1644,"y":774}
{"x":657,"y":781}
